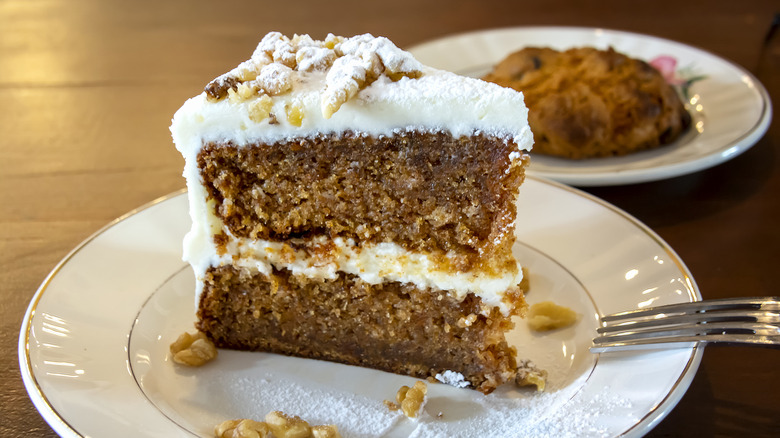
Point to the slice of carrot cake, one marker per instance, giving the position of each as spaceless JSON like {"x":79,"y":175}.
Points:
{"x":350,"y":204}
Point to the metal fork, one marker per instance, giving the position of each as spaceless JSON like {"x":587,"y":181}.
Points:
{"x":754,"y":321}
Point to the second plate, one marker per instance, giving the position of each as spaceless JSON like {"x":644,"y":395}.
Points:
{"x":731,"y":109}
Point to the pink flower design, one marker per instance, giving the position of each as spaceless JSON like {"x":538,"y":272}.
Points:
{"x":682,"y":79}
{"x":667,"y":65}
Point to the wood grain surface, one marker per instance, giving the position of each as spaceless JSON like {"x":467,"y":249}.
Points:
{"x":88,"y":88}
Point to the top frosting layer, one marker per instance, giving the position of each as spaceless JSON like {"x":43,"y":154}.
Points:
{"x":301,"y":87}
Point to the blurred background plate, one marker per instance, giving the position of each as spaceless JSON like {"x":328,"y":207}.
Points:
{"x":731,"y":110}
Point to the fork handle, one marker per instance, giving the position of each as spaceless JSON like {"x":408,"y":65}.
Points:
{"x":763,"y":303}
{"x":604,"y":344}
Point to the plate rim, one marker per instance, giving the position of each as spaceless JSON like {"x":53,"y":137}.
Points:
{"x":49,"y":413}
{"x":725,"y":153}
{"x":61,"y":426}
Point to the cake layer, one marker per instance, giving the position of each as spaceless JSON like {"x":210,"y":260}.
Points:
{"x":393,"y":327}
{"x":425,"y":192}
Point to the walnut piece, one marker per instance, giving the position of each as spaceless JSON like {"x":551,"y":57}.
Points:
{"x":218,"y":88}
{"x":242,"y":92}
{"x":390,"y":405}
{"x":412,"y":400}
{"x":294,"y":113}
{"x":260,"y":109}
{"x":350,"y":64}
{"x":193,"y":349}
{"x":529,"y":375}
{"x":325,"y":431}
{"x":242,"y":429}
{"x":275,"y":79}
{"x":345,"y":79}
{"x":285,"y":426}
{"x":547,"y":316}
{"x":277,"y":424}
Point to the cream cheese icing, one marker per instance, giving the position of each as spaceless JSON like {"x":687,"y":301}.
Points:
{"x":361,"y":82}
{"x":302,"y":88}
{"x":438,"y":101}
{"x":324,"y":258}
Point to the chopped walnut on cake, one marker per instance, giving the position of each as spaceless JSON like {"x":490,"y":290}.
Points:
{"x":350,"y":65}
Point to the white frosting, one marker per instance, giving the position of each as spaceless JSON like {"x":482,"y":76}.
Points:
{"x":422,"y":100}
{"x":436,"y":102}
{"x":374,"y":263}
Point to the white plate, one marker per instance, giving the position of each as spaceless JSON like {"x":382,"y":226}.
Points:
{"x":93,"y":345}
{"x":730,"y":108}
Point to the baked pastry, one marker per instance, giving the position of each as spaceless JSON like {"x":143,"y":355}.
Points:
{"x":353,"y":205}
{"x":586,"y":103}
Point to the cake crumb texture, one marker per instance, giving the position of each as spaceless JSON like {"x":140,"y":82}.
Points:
{"x":391,"y":326}
{"x":423,"y":191}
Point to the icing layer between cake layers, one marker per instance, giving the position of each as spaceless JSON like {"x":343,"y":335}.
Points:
{"x":324,"y":258}
{"x":432,"y":101}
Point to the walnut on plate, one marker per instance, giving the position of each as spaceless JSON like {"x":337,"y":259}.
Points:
{"x":410,"y":400}
{"x":529,"y":375}
{"x":546,"y":315}
{"x":277,"y":424}
{"x":193,"y":349}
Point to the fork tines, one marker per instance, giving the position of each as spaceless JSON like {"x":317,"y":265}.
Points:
{"x":753,"y":321}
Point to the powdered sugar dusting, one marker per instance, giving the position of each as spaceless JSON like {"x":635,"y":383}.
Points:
{"x":355,"y":416}
{"x":350,"y":64}
{"x":311,"y":58}
{"x":278,"y":47}
{"x":542,"y":415}
{"x":391,"y":57}
{"x":363,"y":83}
{"x":275,"y":78}
{"x":343,"y":81}
{"x":364,"y":58}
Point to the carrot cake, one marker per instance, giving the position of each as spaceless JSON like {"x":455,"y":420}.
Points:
{"x":352,"y":205}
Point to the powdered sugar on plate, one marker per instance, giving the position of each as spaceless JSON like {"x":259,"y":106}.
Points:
{"x":448,"y":412}
{"x":538,"y":415}
{"x":355,"y":416}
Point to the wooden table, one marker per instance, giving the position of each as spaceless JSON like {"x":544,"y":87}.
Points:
{"x":88,"y":87}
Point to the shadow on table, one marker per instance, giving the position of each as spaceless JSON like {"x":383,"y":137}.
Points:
{"x":697,"y":195}
{"x":712,"y":404}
